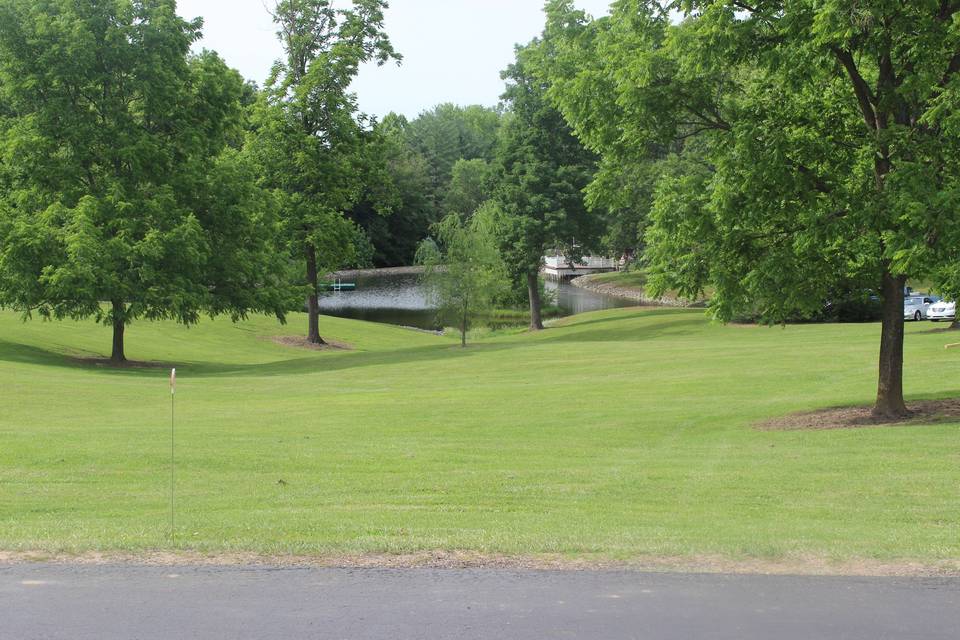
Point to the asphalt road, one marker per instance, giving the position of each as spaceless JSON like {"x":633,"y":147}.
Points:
{"x":146,"y":603}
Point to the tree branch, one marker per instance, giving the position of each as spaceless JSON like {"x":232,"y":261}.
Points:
{"x":806,"y":171}
{"x":744,"y":6}
{"x":783,"y":232}
{"x":860,"y":88}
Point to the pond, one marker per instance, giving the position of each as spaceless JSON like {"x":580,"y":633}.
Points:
{"x":398,"y":298}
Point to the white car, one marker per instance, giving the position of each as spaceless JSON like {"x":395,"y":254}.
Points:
{"x":916,"y":307}
{"x":942,"y":310}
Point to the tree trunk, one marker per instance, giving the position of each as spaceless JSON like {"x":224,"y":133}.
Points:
{"x":877,"y":111}
{"x":119,"y":325}
{"x":533,"y":291}
{"x":313,"y":300}
{"x":890,"y":402}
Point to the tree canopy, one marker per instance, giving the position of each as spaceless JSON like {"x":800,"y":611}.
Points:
{"x":470,"y":184}
{"x":119,"y":185}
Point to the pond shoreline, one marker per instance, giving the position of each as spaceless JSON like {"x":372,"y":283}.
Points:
{"x":397,"y":296}
{"x":632,"y":293}
{"x":384,"y":271}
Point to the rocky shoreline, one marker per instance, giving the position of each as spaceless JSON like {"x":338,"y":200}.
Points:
{"x":632,"y":293}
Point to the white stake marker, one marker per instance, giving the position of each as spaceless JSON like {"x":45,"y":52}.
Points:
{"x":173,"y":393}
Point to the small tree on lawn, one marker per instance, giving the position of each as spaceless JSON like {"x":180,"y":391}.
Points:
{"x":464,"y":272}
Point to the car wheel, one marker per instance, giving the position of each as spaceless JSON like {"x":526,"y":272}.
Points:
{"x":917,"y":316}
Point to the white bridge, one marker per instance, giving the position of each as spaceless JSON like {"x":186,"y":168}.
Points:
{"x":560,"y":268}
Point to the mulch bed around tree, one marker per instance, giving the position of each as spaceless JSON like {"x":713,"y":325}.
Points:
{"x":301,"y":343}
{"x":923,"y":412}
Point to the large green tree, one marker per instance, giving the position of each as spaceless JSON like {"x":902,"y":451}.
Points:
{"x":815,"y":144}
{"x":542,"y":170}
{"x":308,"y":135}
{"x":120,"y":197}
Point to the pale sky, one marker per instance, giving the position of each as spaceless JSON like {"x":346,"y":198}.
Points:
{"x":453,"y":50}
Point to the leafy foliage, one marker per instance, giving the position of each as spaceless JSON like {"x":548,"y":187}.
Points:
{"x":406,"y":174}
{"x":469,"y":187}
{"x":118,"y":185}
{"x":812,"y":144}
{"x":448,"y":133}
{"x":307,"y":137}
{"x":464,"y":272}
{"x":543,"y":170}
{"x":421,"y":159}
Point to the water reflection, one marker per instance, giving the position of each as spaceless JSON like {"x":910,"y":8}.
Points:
{"x":399,"y":299}
{"x":573,"y":300}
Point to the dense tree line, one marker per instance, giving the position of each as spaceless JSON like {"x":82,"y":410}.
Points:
{"x":436,"y":163}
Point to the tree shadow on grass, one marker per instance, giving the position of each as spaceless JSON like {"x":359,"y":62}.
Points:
{"x":341,"y":361}
{"x":945,"y":330}
{"x":591,"y":330}
{"x":76,"y":359}
{"x":626,"y":313}
{"x":319,"y":362}
{"x":27,"y":354}
{"x":674,"y":324}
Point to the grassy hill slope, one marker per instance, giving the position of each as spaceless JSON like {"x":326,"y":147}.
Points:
{"x":619,"y":434}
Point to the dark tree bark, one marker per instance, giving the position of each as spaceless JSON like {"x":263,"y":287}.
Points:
{"x":117,"y":356}
{"x":313,"y":300}
{"x":533,"y":291}
{"x":890,"y":402}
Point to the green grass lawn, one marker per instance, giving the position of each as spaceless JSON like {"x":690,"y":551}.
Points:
{"x":616,"y":434}
{"x":631,"y":279}
{"x":636,"y":280}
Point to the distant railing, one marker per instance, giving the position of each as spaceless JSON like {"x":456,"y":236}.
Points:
{"x":587,"y":262}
